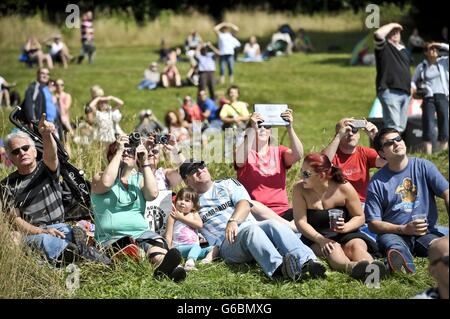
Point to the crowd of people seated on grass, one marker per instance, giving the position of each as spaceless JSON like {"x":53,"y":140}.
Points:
{"x":339,"y":214}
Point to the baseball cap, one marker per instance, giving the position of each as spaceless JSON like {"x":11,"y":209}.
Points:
{"x":189,"y":167}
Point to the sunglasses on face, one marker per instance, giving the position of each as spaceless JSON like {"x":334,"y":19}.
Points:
{"x":392,"y":141}
{"x":355,"y":130}
{"x":24,"y":148}
{"x":153,"y":152}
{"x":129,"y":152}
{"x":443,"y":259}
{"x":267,"y":127}
{"x":306,"y":174}
{"x":195,"y":169}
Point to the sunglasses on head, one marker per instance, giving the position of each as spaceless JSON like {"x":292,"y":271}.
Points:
{"x":392,"y":141}
{"x":443,"y":259}
{"x":24,"y":148}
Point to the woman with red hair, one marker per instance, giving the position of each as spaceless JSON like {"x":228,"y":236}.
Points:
{"x":322,"y":187}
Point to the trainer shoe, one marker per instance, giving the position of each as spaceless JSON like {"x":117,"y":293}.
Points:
{"x":290,"y":268}
{"x":397,"y":262}
{"x":178,"y":274}
{"x":315,"y":269}
{"x":359,"y":270}
{"x":382,"y":267}
{"x":171,"y":260}
{"x":190,"y":265}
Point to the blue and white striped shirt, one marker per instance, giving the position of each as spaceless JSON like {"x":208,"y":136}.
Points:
{"x":216,"y":207}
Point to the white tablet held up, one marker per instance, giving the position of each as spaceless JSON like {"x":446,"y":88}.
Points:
{"x":271,"y":113}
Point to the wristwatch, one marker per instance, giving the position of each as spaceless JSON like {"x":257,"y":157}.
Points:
{"x":233,"y":220}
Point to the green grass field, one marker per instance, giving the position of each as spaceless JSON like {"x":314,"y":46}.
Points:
{"x":321,"y":88}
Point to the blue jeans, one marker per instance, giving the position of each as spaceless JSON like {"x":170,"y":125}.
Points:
{"x":395,"y":108}
{"x":437,"y":104}
{"x":407,"y":245}
{"x":266,"y":242}
{"x":147,"y":84}
{"x":227,"y":60}
{"x":193,"y":251}
{"x":50,"y":245}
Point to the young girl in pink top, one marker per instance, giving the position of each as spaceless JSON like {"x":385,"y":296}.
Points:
{"x":181,"y":230}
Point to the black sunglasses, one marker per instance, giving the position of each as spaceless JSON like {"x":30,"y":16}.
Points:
{"x":129,"y":151}
{"x":153,"y":152}
{"x":195,"y":168}
{"x":354,"y":130}
{"x":443,"y":259}
{"x":24,"y":148}
{"x":306,"y":174}
{"x":392,"y":141}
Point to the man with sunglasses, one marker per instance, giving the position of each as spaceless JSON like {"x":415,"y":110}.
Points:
{"x":438,"y":269}
{"x":228,"y":224}
{"x":354,"y":160}
{"x":406,"y":186}
{"x":32,"y":196}
{"x":393,"y":80}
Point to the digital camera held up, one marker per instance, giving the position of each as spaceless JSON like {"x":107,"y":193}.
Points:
{"x":135,"y":139}
{"x":162,"y":139}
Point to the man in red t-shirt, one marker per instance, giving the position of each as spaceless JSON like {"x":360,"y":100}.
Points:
{"x":192,"y":112}
{"x":355,"y":161}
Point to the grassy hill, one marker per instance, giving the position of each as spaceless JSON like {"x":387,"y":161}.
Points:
{"x":320,"y":88}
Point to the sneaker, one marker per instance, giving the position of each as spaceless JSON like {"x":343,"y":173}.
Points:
{"x":290,"y":269}
{"x":382,"y":267}
{"x":397,"y":262}
{"x":315,"y":269}
{"x":171,"y":260}
{"x":178,"y":274}
{"x":190,"y":265}
{"x":359,"y":270}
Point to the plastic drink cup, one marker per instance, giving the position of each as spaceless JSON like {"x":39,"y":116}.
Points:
{"x":334,"y":215}
{"x":419,"y":216}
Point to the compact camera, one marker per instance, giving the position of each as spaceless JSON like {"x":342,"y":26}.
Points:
{"x":162,"y":139}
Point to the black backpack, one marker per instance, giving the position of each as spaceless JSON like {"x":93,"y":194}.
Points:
{"x":75,"y":189}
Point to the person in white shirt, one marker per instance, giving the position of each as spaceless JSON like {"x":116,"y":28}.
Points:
{"x":59,"y":51}
{"x":227,"y":45}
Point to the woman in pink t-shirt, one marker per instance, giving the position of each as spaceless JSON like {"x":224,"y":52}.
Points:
{"x":261,"y":165}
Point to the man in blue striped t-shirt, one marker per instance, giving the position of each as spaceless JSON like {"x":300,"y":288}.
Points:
{"x":227,"y":223}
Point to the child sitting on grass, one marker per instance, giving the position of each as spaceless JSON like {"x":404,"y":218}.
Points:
{"x":181,"y":230}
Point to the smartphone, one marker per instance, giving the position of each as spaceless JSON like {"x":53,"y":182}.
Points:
{"x":358,"y":123}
